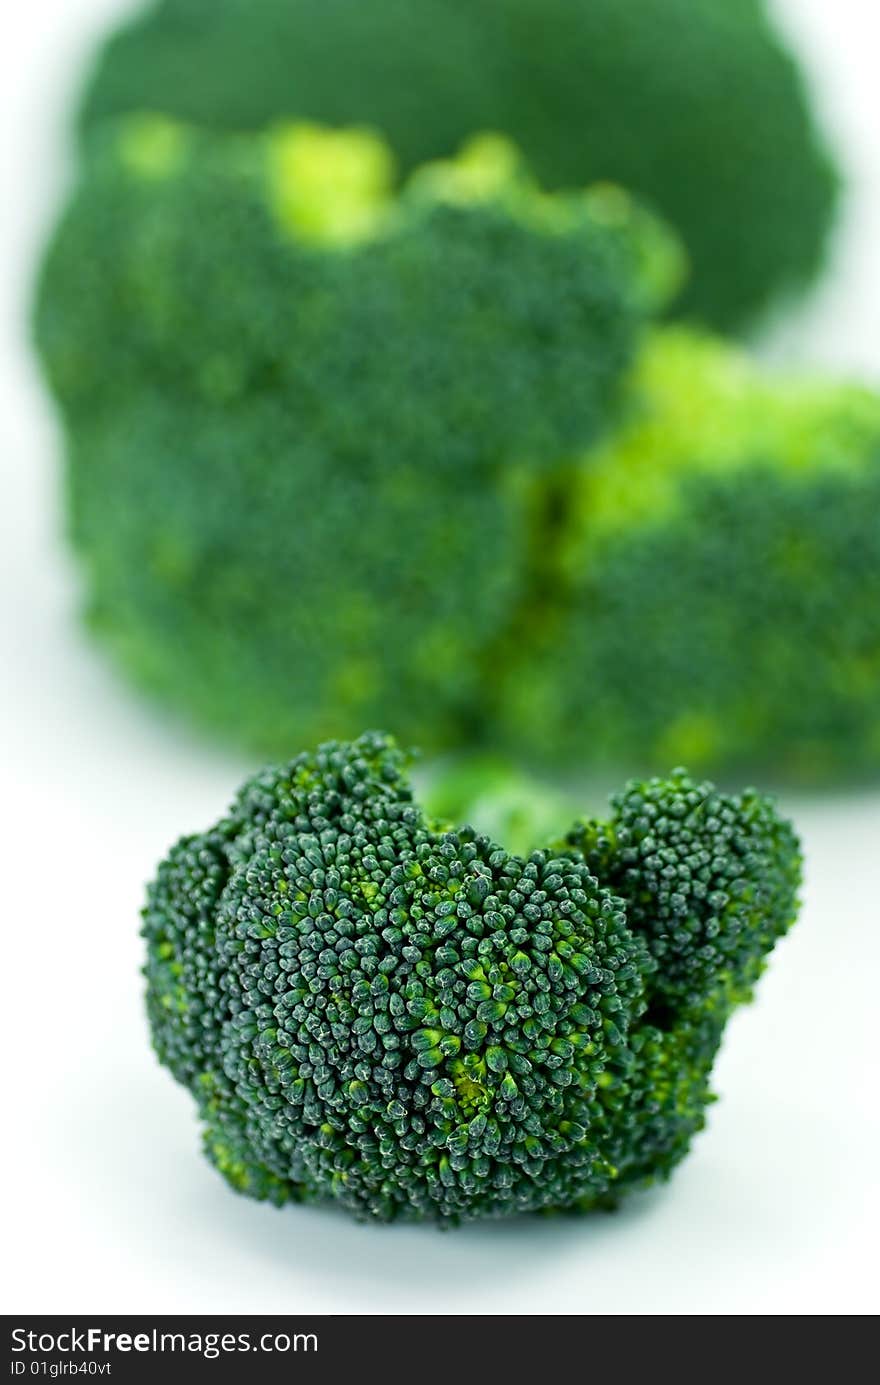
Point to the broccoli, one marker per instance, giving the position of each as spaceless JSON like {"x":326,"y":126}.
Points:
{"x":375,"y":1010}
{"x":304,"y":448}
{"x":717,"y":580}
{"x":411,"y":457}
{"x":696,"y":105}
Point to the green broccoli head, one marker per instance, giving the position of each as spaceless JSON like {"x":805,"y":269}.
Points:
{"x":711,"y":595}
{"x":345,"y":451}
{"x":709,"y":878}
{"x":453,"y":324}
{"x":374,"y":1009}
{"x":306,"y":414}
{"x":694,"y":104}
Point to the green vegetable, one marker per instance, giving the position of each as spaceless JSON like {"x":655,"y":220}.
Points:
{"x":307,"y":416}
{"x":375,"y":1010}
{"x":713,"y":591}
{"x":696,"y":105}
{"x":408,"y":457}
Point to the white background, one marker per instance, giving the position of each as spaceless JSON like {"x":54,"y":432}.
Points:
{"x":110,"y":1207}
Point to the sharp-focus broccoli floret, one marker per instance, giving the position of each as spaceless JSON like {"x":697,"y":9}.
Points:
{"x":694,"y":104}
{"x":306,"y":415}
{"x":373,"y":1009}
{"x":715,"y":588}
{"x":709,"y":880}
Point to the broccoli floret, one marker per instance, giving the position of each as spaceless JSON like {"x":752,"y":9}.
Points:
{"x":365,"y":455}
{"x":374,"y":1009}
{"x":694,"y":104}
{"x":709,"y":878}
{"x":306,"y":414}
{"x":716,"y":579}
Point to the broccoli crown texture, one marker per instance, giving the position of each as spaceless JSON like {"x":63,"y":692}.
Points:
{"x":694,"y":104}
{"x":307,"y":414}
{"x":373,"y":1009}
{"x":713,"y":587}
{"x":408,"y":456}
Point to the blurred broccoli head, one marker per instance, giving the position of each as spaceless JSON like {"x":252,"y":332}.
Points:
{"x":340,"y":452}
{"x":694,"y":104}
{"x":716,"y":580}
{"x":374,"y":1009}
{"x":307,"y":413}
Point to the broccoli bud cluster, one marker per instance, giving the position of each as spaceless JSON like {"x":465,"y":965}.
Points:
{"x":695,"y":105}
{"x":307,"y":414}
{"x":409,"y":457}
{"x":373,"y":1009}
{"x":715,"y":579}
